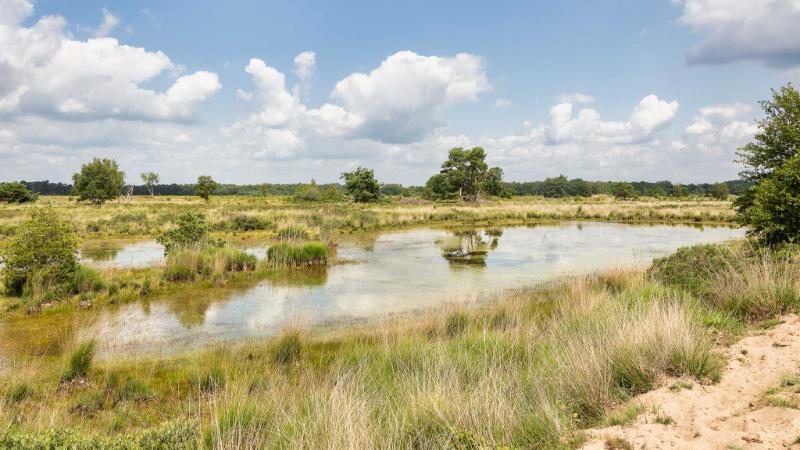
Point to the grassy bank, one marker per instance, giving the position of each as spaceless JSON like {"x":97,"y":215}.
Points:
{"x":269,"y":216}
{"x":530,"y":369}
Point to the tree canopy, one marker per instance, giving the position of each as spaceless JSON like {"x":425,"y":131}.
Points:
{"x":362,"y":185}
{"x":205,"y":187}
{"x":150,"y":180}
{"x":15,"y":192}
{"x":464,"y":175}
{"x":98,"y":181}
{"x":771,"y":207}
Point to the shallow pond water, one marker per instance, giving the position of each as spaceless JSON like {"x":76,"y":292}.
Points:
{"x":387,"y":273}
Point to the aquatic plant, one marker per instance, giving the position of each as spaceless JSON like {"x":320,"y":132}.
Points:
{"x":298,"y":254}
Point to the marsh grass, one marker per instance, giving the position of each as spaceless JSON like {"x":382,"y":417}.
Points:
{"x":528,"y":370}
{"x":79,"y":361}
{"x":208,"y":262}
{"x":298,"y":254}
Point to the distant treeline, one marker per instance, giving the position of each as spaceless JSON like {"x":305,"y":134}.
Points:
{"x":551,"y":187}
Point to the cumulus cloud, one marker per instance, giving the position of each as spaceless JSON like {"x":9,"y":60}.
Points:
{"x":717,"y":130}
{"x":45,"y":71}
{"x":402,"y":101}
{"x":650,"y":116}
{"x":304,"y":65}
{"x":763,"y":30}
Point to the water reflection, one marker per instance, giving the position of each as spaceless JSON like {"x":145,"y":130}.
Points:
{"x":116,"y":254}
{"x":400,"y":271}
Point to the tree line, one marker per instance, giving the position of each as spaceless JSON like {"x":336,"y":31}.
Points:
{"x":554,"y":187}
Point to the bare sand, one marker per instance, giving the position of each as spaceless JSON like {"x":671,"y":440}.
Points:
{"x":732,"y":414}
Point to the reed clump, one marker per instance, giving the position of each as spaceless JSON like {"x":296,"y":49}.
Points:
{"x":209,"y":262}
{"x":298,"y":254}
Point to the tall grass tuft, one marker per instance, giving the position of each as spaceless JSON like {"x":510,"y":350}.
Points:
{"x":298,"y":254}
{"x":193,"y":263}
{"x":288,"y":348}
{"x":79,"y":362}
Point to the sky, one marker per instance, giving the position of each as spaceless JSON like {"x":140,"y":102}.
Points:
{"x":280,"y":92}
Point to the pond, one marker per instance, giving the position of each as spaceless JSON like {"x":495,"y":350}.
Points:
{"x":384,"y":273}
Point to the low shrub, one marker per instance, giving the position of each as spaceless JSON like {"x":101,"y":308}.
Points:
{"x":171,"y":435}
{"x":691,"y":268}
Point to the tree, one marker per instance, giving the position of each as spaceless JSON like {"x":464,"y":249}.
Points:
{"x":555,"y":187}
{"x":579,"y":188}
{"x":362,"y":185}
{"x":98,"y":181}
{"x":770,"y":208}
{"x":719,"y":191}
{"x":308,"y":192}
{"x":45,"y":246}
{"x":462,"y":175}
{"x":623,"y":191}
{"x":150,"y":180}
{"x":16,"y":192}
{"x":493,"y":183}
{"x":679,"y":190}
{"x":205,"y":187}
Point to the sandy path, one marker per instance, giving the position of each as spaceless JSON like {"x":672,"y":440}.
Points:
{"x":728,"y":415}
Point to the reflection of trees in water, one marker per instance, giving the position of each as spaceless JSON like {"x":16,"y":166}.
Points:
{"x":469,"y":247}
{"x":190,"y":307}
{"x":101,"y":251}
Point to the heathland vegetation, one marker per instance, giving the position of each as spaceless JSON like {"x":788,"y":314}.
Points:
{"x":530,"y":369}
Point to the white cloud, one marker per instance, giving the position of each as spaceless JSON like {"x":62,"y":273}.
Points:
{"x":45,"y":71}
{"x":243,"y":95}
{"x":758,"y":30}
{"x":304,"y":64}
{"x":502,"y":103}
{"x":717,"y":130}
{"x":402,"y":101}
{"x":650,"y":116}
{"x":575,"y":97}
{"x":110,"y":21}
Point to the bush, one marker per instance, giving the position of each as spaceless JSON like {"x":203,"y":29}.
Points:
{"x":307,"y":193}
{"x":79,"y":362}
{"x":171,"y":435}
{"x":362,"y":185}
{"x":288,"y":254}
{"x":44,"y":244}
{"x":192,"y":231}
{"x":690,"y":268}
{"x":248,"y":223}
{"x":16,"y":193}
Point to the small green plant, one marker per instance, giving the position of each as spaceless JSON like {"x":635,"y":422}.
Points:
{"x":680,"y":385}
{"x":288,"y":348}
{"x":664,"y":420}
{"x":691,"y":268}
{"x":624,"y":416}
{"x":16,"y":193}
{"x":79,"y":362}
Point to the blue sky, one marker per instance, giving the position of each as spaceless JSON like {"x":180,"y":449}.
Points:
{"x":602,"y":90}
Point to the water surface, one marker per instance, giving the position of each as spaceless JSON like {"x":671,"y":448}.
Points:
{"x":393,"y":272}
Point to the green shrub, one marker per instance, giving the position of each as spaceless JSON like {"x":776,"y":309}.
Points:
{"x":15,"y":192}
{"x":247,"y":223}
{"x":44,"y":244}
{"x":171,"y":435}
{"x":79,"y":362}
{"x":191,"y":232}
{"x":288,"y":254}
{"x":691,"y":268}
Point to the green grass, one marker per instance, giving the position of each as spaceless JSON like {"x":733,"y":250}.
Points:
{"x":79,"y":362}
{"x":298,"y":254}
